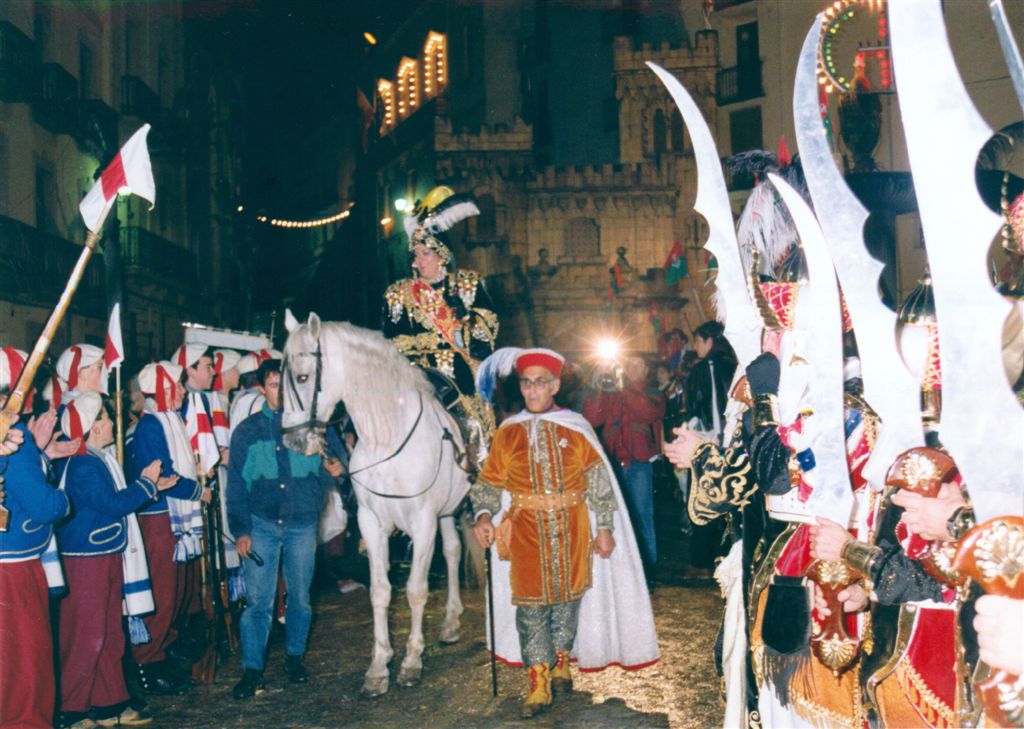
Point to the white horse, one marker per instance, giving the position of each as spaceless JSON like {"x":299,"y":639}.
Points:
{"x":405,"y":469}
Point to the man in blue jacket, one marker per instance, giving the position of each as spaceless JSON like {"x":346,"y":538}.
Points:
{"x":274,"y":500}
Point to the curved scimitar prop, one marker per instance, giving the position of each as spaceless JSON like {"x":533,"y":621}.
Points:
{"x":1010,"y":50}
{"x":982,"y":423}
{"x":821,"y":317}
{"x":889,"y":388}
{"x":742,"y":324}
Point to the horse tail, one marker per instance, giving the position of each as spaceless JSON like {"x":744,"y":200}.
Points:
{"x":472,"y":553}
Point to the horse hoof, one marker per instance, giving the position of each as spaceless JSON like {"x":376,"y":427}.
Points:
{"x":409,"y":677}
{"x":449,"y":637}
{"x":373,"y":687}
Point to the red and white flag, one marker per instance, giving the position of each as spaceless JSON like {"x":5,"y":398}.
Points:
{"x":129,"y":172}
{"x":113,"y":350}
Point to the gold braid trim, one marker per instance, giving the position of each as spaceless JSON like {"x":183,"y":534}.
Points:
{"x":723,"y":482}
{"x":922,"y":698}
{"x":485,"y":326}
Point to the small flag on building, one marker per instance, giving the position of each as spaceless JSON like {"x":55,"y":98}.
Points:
{"x":616,"y":277}
{"x":654,"y":316}
{"x":675,"y":265}
{"x":129,"y":172}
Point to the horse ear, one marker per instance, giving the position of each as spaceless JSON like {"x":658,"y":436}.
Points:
{"x":290,"y":322}
{"x":314,"y":325}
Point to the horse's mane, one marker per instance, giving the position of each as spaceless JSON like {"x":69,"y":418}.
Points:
{"x":376,"y":378}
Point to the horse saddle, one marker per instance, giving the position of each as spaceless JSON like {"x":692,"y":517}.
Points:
{"x":445,"y":389}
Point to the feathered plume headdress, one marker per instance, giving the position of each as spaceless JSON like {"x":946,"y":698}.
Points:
{"x":767,"y":236}
{"x":437,"y":212}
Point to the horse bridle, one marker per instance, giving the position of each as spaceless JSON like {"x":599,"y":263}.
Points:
{"x":289,"y":380}
{"x":312,"y":422}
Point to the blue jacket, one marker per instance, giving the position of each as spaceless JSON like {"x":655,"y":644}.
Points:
{"x":98,"y":525}
{"x":147,"y":445}
{"x":34,"y":504}
{"x":270,"y":481}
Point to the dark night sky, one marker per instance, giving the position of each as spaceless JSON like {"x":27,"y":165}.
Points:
{"x":296,"y":63}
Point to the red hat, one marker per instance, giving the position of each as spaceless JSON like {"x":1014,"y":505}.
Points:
{"x":546,"y":358}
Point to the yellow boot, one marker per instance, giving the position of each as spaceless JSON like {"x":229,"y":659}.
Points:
{"x":561,"y":678}
{"x":540,"y":691}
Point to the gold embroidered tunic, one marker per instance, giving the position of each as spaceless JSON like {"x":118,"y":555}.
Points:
{"x":551,"y":548}
{"x":449,"y":325}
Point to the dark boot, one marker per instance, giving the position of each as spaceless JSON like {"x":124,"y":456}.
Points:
{"x":297,"y":673}
{"x":250,"y":685}
{"x":157,"y":681}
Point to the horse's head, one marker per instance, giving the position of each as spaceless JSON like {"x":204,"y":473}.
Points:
{"x":306,"y":407}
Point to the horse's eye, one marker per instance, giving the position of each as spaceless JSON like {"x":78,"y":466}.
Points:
{"x":302,"y":379}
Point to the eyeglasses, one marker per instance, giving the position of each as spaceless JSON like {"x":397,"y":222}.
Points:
{"x":525,"y":384}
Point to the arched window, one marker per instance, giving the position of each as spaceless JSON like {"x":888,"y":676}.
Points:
{"x":583,"y":238}
{"x":486,"y":222}
{"x":678,"y":138}
{"x":660,"y":131}
{"x":408,"y":87}
{"x":435,"y":65}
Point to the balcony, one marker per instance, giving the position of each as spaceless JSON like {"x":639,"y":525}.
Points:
{"x":137,"y":99}
{"x":34,"y":268}
{"x":150,"y":255}
{"x":739,"y":83}
{"x":17,"y":64}
{"x":98,"y":127}
{"x":56,"y":105}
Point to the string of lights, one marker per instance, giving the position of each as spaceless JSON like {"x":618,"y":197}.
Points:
{"x":318,"y":222}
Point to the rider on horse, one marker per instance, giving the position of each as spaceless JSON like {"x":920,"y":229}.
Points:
{"x":442,"y":320}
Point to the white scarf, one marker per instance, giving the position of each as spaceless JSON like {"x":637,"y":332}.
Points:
{"x":138,"y":592}
{"x":186,"y":516}
{"x":616,"y":623}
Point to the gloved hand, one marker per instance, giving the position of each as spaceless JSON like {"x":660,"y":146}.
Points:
{"x":763,"y":374}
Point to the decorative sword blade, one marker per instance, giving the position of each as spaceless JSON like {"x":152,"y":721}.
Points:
{"x":888,"y":387}
{"x":742,"y":324}
{"x":821,"y":318}
{"x":1010,"y":50}
{"x":982,"y":423}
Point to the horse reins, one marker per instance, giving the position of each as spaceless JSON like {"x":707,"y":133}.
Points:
{"x":290,"y":383}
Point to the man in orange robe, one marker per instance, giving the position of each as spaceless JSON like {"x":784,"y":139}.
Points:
{"x":553,"y":472}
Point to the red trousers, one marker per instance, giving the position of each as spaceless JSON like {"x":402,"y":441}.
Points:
{"x":91,"y":637}
{"x":27,"y":690}
{"x":165,"y":576}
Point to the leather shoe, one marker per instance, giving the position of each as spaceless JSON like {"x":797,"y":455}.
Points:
{"x":250,"y":685}
{"x":297,"y":673}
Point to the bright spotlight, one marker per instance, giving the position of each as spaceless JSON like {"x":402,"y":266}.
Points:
{"x":608,"y":349}
{"x":401,"y":204}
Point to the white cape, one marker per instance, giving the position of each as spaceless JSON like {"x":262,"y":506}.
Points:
{"x":616,"y":625}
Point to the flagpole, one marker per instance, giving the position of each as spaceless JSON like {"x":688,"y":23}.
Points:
{"x":16,"y":400}
{"x":119,"y":414}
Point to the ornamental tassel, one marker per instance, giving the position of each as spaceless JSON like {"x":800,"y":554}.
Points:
{"x":137,"y":631}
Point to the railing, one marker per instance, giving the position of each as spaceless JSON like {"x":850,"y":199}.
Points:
{"x":137,"y":99}
{"x":98,"y":126}
{"x":149,"y":254}
{"x":17,"y":63}
{"x":739,"y":83}
{"x":34,"y":268}
{"x":56,"y":105}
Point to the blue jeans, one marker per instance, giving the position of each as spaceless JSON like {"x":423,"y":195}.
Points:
{"x":638,"y":490}
{"x":298,"y":545}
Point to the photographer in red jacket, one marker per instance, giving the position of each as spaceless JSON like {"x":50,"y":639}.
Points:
{"x":627,"y":421}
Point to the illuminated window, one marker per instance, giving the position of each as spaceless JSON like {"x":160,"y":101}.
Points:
{"x":408,"y":92}
{"x":386,"y":92}
{"x":435,"y":65}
